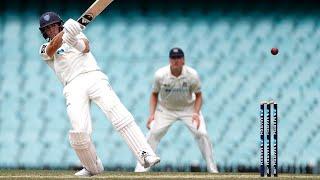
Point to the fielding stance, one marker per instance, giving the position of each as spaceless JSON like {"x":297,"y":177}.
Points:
{"x":68,"y":54}
{"x":176,"y":95}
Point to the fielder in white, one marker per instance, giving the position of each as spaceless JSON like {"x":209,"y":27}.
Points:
{"x":68,"y":54}
{"x":176,"y":95}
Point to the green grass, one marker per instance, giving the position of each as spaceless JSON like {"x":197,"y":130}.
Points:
{"x":59,"y":174}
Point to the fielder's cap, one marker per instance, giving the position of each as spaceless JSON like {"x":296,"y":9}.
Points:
{"x":176,"y":53}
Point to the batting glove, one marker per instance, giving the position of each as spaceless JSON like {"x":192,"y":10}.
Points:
{"x":72,"y":27}
{"x":74,"y":42}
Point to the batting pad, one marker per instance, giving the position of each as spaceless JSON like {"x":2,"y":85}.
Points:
{"x":119,"y":116}
{"x":81,"y":143}
{"x":136,"y":141}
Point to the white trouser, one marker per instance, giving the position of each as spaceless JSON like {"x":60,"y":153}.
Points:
{"x":94,"y":86}
{"x":164,"y":118}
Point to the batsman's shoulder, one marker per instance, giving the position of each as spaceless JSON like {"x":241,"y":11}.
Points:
{"x":191,"y":71}
{"x":162,"y":71}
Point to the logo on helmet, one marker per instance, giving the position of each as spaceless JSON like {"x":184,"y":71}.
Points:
{"x":46,"y":17}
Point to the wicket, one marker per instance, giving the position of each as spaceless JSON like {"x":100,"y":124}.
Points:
{"x":271,"y":105}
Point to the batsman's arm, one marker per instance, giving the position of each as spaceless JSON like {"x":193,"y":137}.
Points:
{"x":153,"y":105}
{"x":57,"y":41}
{"x":153,"y":102}
{"x":82,"y":40}
{"x":87,"y":47}
{"x":54,"y":44}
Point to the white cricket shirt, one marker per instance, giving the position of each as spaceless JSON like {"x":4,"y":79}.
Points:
{"x":68,"y":62}
{"x":176,"y":93}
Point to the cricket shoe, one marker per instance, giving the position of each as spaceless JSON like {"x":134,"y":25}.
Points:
{"x":212,"y":168}
{"x":85,"y":173}
{"x":140,"y":168}
{"x":150,"y":160}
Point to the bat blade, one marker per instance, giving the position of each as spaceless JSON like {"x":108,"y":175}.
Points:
{"x":93,"y":11}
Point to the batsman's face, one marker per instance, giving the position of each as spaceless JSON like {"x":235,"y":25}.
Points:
{"x":52,"y":30}
{"x":177,"y":63}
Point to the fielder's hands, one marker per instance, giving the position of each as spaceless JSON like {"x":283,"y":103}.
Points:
{"x":150,"y":119}
{"x":72,"y":27}
{"x":69,"y":39}
{"x":196,"y":119}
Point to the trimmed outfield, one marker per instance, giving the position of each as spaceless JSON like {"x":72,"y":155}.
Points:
{"x":51,"y":174}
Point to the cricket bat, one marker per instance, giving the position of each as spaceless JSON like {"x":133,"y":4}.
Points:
{"x":93,"y":11}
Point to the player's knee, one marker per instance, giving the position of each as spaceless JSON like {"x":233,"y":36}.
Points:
{"x":123,"y":122}
{"x":120,"y":117}
{"x":151,"y":137}
{"x":155,"y":135}
{"x":85,"y":128}
{"x":118,"y":114}
{"x":79,"y":139}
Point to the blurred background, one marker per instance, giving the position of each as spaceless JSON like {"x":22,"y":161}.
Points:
{"x":227,"y":42}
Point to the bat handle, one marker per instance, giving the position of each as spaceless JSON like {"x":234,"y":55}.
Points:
{"x":84,"y":20}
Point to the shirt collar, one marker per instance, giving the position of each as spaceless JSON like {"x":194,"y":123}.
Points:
{"x":182,"y":75}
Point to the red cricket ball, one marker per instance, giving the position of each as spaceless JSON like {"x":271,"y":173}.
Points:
{"x":274,"y":51}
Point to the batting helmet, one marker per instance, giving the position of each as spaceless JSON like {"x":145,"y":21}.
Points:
{"x":47,"y":19}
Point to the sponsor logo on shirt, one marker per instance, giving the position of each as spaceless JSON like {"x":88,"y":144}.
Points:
{"x":184,"y":84}
{"x":176,"y":90}
{"x":60,"y":51}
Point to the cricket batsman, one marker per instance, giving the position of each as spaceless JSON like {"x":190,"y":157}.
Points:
{"x":67,"y":53}
{"x":176,"y":95}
